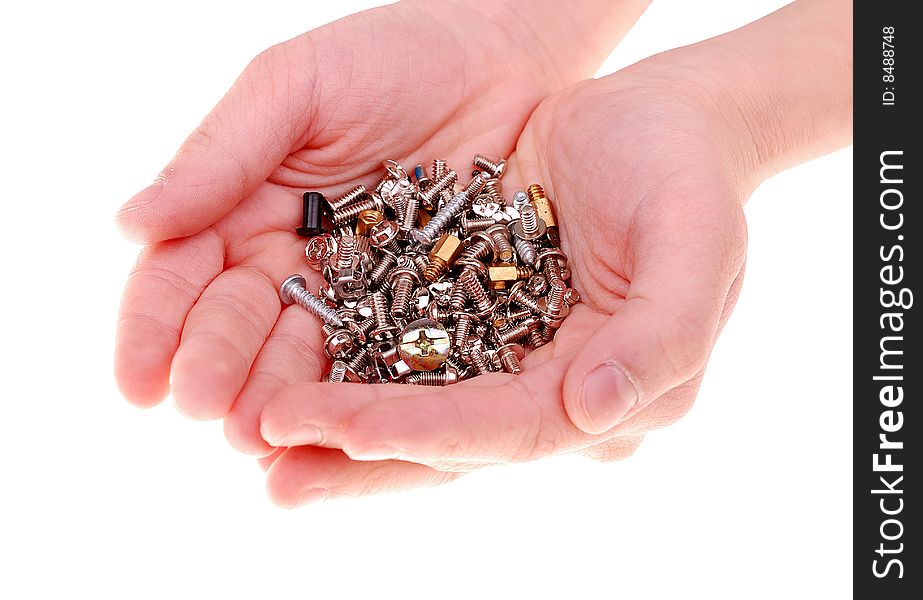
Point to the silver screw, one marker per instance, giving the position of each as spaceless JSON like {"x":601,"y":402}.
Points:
{"x":427,"y":236}
{"x":292,"y":291}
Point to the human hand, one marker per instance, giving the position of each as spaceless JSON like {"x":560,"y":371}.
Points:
{"x":649,"y":169}
{"x":201,"y":315}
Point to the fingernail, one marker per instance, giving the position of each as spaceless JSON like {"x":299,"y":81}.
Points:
{"x":607,"y":397}
{"x":382,"y":452}
{"x":304,"y":434}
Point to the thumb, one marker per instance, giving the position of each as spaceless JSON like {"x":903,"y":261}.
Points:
{"x":237,"y":146}
{"x":663,"y":334}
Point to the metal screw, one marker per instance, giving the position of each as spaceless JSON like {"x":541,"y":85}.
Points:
{"x":425,"y":344}
{"x":510,"y":355}
{"x":494,"y":278}
{"x":293,"y":291}
{"x":347,"y":198}
{"x":493,"y":168}
{"x":426,"y":236}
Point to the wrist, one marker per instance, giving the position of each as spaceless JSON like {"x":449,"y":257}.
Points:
{"x":779,"y":90}
{"x":566,"y":43}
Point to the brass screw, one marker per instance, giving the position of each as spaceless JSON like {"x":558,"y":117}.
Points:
{"x":442,"y":257}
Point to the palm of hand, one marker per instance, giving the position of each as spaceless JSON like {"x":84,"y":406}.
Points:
{"x":411,"y":96}
{"x":656,"y":241}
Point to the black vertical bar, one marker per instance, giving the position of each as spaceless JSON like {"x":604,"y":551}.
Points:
{"x":887,"y":367}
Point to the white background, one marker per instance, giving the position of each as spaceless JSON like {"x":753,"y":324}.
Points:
{"x":747,"y":497}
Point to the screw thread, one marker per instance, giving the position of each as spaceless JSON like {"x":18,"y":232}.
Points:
{"x":383,"y":267}
{"x":445,"y":181}
{"x":510,"y":361}
{"x":475,"y":291}
{"x":529,"y":219}
{"x":448,"y":212}
{"x":359,"y":362}
{"x":380,"y":309}
{"x":475,"y":186}
{"x":410,"y":212}
{"x":501,"y":238}
{"x":347,"y":198}
{"x":522,"y":297}
{"x":485,"y":164}
{"x":337,"y":372}
{"x":346,"y":250}
{"x":421,"y":261}
{"x":519,"y":314}
{"x":315,"y":305}
{"x":348,"y":213}
{"x":479,"y":250}
{"x":436,"y":268}
{"x":400,"y":293}
{"x":477,"y":359}
{"x":366,"y":325}
{"x":433,"y":378}
{"x":493,"y":191}
{"x":535,"y":192}
{"x":439,"y":168}
{"x":526,"y":250}
{"x":547,"y":333}
{"x":472,"y":225}
{"x":552,"y":269}
{"x":462,"y":331}
{"x":555,"y":302}
{"x":536,"y":340}
{"x":457,"y":298}
{"x":514,"y":333}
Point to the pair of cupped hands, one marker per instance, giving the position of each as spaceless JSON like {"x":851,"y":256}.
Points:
{"x":642,"y":169}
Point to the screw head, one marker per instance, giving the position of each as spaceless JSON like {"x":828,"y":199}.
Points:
{"x":551,"y":253}
{"x":553,"y":321}
{"x":319,"y":249}
{"x":479,"y":268}
{"x":404,"y":272}
{"x":425,"y":345}
{"x":339,"y":344}
{"x":291,"y":284}
{"x":383,"y":233}
{"x":536,"y":284}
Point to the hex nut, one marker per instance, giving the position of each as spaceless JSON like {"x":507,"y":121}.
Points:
{"x":368,"y":219}
{"x":545,"y":211}
{"x":447,"y":249}
{"x":501,"y":276}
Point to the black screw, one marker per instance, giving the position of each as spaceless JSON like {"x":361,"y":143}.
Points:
{"x":311,"y":217}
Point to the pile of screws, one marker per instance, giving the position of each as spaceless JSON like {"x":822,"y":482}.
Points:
{"x":427,"y":284}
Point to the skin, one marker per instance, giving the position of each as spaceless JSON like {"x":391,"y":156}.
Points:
{"x":649,"y":169}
